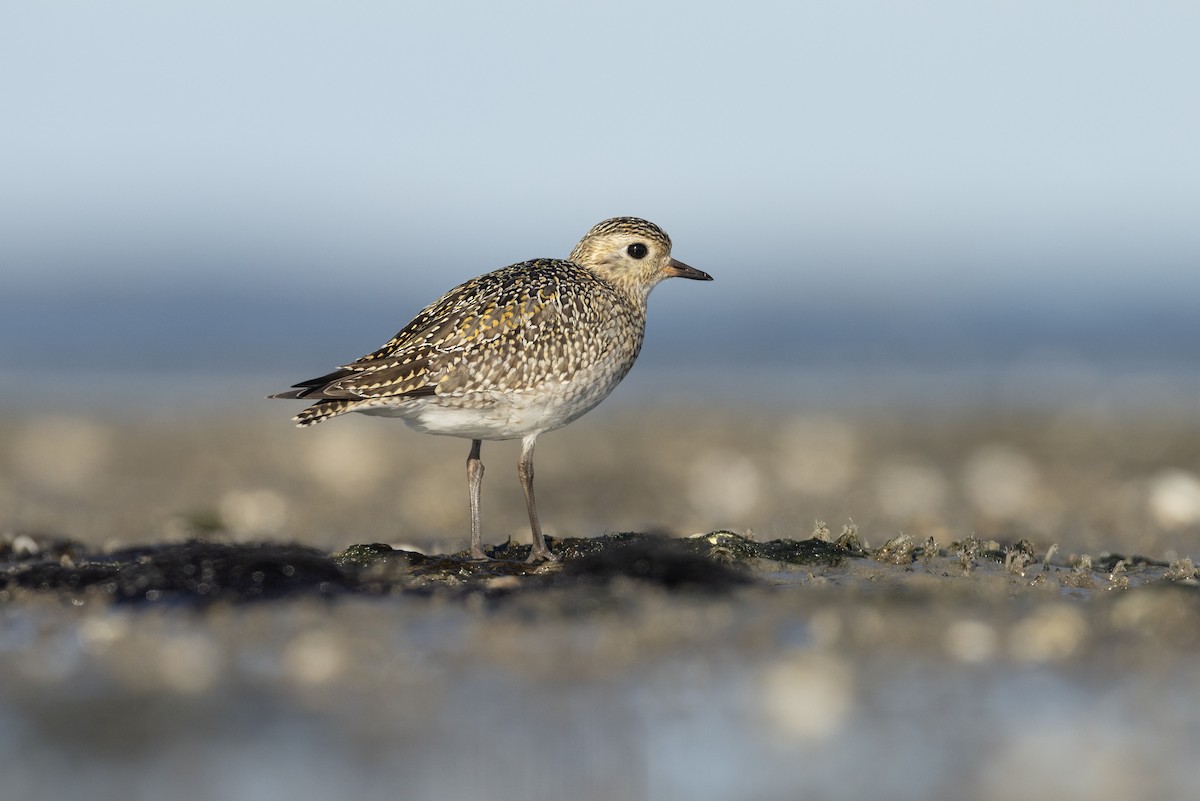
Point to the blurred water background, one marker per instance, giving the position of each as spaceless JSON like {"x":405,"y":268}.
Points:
{"x":955,"y":249}
{"x":201,"y":197}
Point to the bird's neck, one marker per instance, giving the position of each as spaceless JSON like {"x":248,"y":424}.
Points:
{"x":636,"y":292}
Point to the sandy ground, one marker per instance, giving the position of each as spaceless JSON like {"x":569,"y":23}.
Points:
{"x":1084,"y":478}
{"x":972,"y":666}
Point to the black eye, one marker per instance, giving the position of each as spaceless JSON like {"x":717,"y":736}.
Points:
{"x":637,"y":250}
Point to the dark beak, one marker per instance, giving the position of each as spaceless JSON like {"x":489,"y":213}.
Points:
{"x":677,"y":269}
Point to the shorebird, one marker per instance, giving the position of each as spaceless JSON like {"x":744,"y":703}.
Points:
{"x":512,"y":354}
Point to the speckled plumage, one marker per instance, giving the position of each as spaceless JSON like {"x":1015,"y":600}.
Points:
{"x":513,"y":353}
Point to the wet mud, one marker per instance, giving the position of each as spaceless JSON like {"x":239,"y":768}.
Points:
{"x":201,"y":572}
{"x":635,"y":667}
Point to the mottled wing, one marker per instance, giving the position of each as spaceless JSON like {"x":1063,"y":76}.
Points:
{"x":400,"y":359}
{"x":507,"y":331}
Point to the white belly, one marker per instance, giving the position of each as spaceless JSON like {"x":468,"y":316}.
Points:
{"x":498,"y":415}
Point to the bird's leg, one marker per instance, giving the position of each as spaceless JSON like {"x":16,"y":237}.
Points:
{"x":539,"y":551}
{"x":474,"y":480}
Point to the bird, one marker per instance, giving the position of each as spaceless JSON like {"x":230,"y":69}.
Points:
{"x":512,"y":354}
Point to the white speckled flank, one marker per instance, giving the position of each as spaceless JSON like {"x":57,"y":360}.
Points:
{"x":513,"y":353}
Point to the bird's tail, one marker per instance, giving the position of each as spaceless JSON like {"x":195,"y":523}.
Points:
{"x":323,"y":410}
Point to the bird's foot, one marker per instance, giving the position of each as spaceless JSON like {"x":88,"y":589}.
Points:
{"x":477,"y":555}
{"x":542,"y":554}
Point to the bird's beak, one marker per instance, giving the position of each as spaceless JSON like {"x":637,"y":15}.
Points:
{"x":677,"y":269}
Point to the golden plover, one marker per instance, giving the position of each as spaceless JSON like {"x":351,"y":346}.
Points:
{"x":511,"y":354}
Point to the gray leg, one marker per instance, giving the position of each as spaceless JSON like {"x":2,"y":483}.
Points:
{"x":474,"y":480}
{"x":525,"y":470}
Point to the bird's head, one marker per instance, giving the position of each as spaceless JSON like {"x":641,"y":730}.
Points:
{"x":632,"y":253}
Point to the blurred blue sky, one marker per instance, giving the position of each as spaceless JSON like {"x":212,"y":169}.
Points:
{"x":851,"y":157}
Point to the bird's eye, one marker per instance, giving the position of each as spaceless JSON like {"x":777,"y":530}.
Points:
{"x":637,"y":250}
